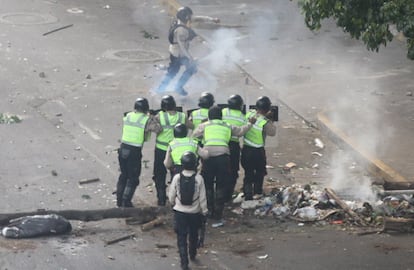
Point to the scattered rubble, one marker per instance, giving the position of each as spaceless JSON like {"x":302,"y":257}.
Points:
{"x":6,"y":118}
{"x":87,"y":181}
{"x":319,"y":143}
{"x":119,"y":239}
{"x":306,"y":204}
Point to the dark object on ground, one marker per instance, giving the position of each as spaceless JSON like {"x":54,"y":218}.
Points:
{"x":113,"y":241}
{"x":58,"y":29}
{"x":38,"y":225}
{"x":145,"y":214}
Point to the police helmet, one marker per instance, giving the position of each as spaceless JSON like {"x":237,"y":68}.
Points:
{"x":263,"y":103}
{"x":235,"y":102}
{"x":141,"y":105}
{"x":206,"y":100}
{"x":180,"y":130}
{"x":215,"y":113}
{"x":189,"y":161}
{"x":184,"y":14}
{"x":168,"y":103}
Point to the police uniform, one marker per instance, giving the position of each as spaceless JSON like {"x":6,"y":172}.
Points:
{"x":216,"y":168}
{"x":176,"y":148}
{"x":198,"y":116}
{"x":235,"y":118}
{"x":253,"y":157}
{"x":136,"y":130}
{"x":167,"y":120}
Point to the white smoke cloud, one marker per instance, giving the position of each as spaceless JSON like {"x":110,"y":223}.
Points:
{"x":347,"y":180}
{"x":224,"y":52}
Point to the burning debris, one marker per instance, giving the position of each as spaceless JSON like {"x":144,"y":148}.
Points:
{"x":306,"y":204}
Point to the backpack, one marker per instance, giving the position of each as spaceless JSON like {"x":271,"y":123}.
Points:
{"x":187,"y":189}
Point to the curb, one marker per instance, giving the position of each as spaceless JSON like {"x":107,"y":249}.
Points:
{"x":390,"y":178}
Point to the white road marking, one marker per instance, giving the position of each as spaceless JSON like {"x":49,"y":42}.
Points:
{"x":90,"y":132}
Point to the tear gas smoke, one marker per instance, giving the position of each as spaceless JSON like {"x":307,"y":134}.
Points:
{"x":224,"y":52}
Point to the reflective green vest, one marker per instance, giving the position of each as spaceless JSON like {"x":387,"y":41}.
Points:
{"x":198,"y":116}
{"x":234,"y":118}
{"x":134,"y":128}
{"x":168,"y":121}
{"x":181,"y":145}
{"x":217,"y":133}
{"x":254,"y":137}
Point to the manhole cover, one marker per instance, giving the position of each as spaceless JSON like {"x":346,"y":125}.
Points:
{"x":134,"y":55}
{"x":25,"y":18}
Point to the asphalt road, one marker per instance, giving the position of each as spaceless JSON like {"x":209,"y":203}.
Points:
{"x":71,"y":87}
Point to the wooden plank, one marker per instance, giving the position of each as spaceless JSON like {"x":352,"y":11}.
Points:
{"x":398,"y":224}
{"x":119,"y":239}
{"x":345,"y":207}
{"x":153,"y":223}
{"x":144,"y":214}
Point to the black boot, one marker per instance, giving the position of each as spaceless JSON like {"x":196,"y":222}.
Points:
{"x":128,"y":194}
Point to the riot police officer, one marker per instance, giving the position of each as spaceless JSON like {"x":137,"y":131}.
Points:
{"x":205,"y":101}
{"x":253,"y":157}
{"x":179,"y":145}
{"x":168,"y":117}
{"x":234,"y":115}
{"x":216,"y":135}
{"x":137,"y":126}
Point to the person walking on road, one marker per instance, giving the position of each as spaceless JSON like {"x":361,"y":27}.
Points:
{"x":168,"y":117}
{"x":137,"y":128}
{"x":216,"y":167}
{"x":187,"y":194}
{"x":234,"y":115}
{"x":253,"y":157}
{"x":180,"y":36}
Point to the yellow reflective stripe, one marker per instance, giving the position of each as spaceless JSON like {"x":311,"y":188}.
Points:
{"x":138,"y":122}
{"x":250,"y":143}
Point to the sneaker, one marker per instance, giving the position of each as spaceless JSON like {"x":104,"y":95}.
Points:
{"x":181,"y":91}
{"x":218,"y":223}
{"x":257,"y":196}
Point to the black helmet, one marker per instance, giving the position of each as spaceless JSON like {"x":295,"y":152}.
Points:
{"x":141,"y":105}
{"x":206,"y":100}
{"x":235,"y":102}
{"x":215,"y":113}
{"x":184,"y":14}
{"x":168,"y":103}
{"x":180,"y":130}
{"x":263,"y":103}
{"x":189,"y":161}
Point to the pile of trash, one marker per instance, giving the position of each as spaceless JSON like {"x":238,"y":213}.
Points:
{"x":306,"y":204}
